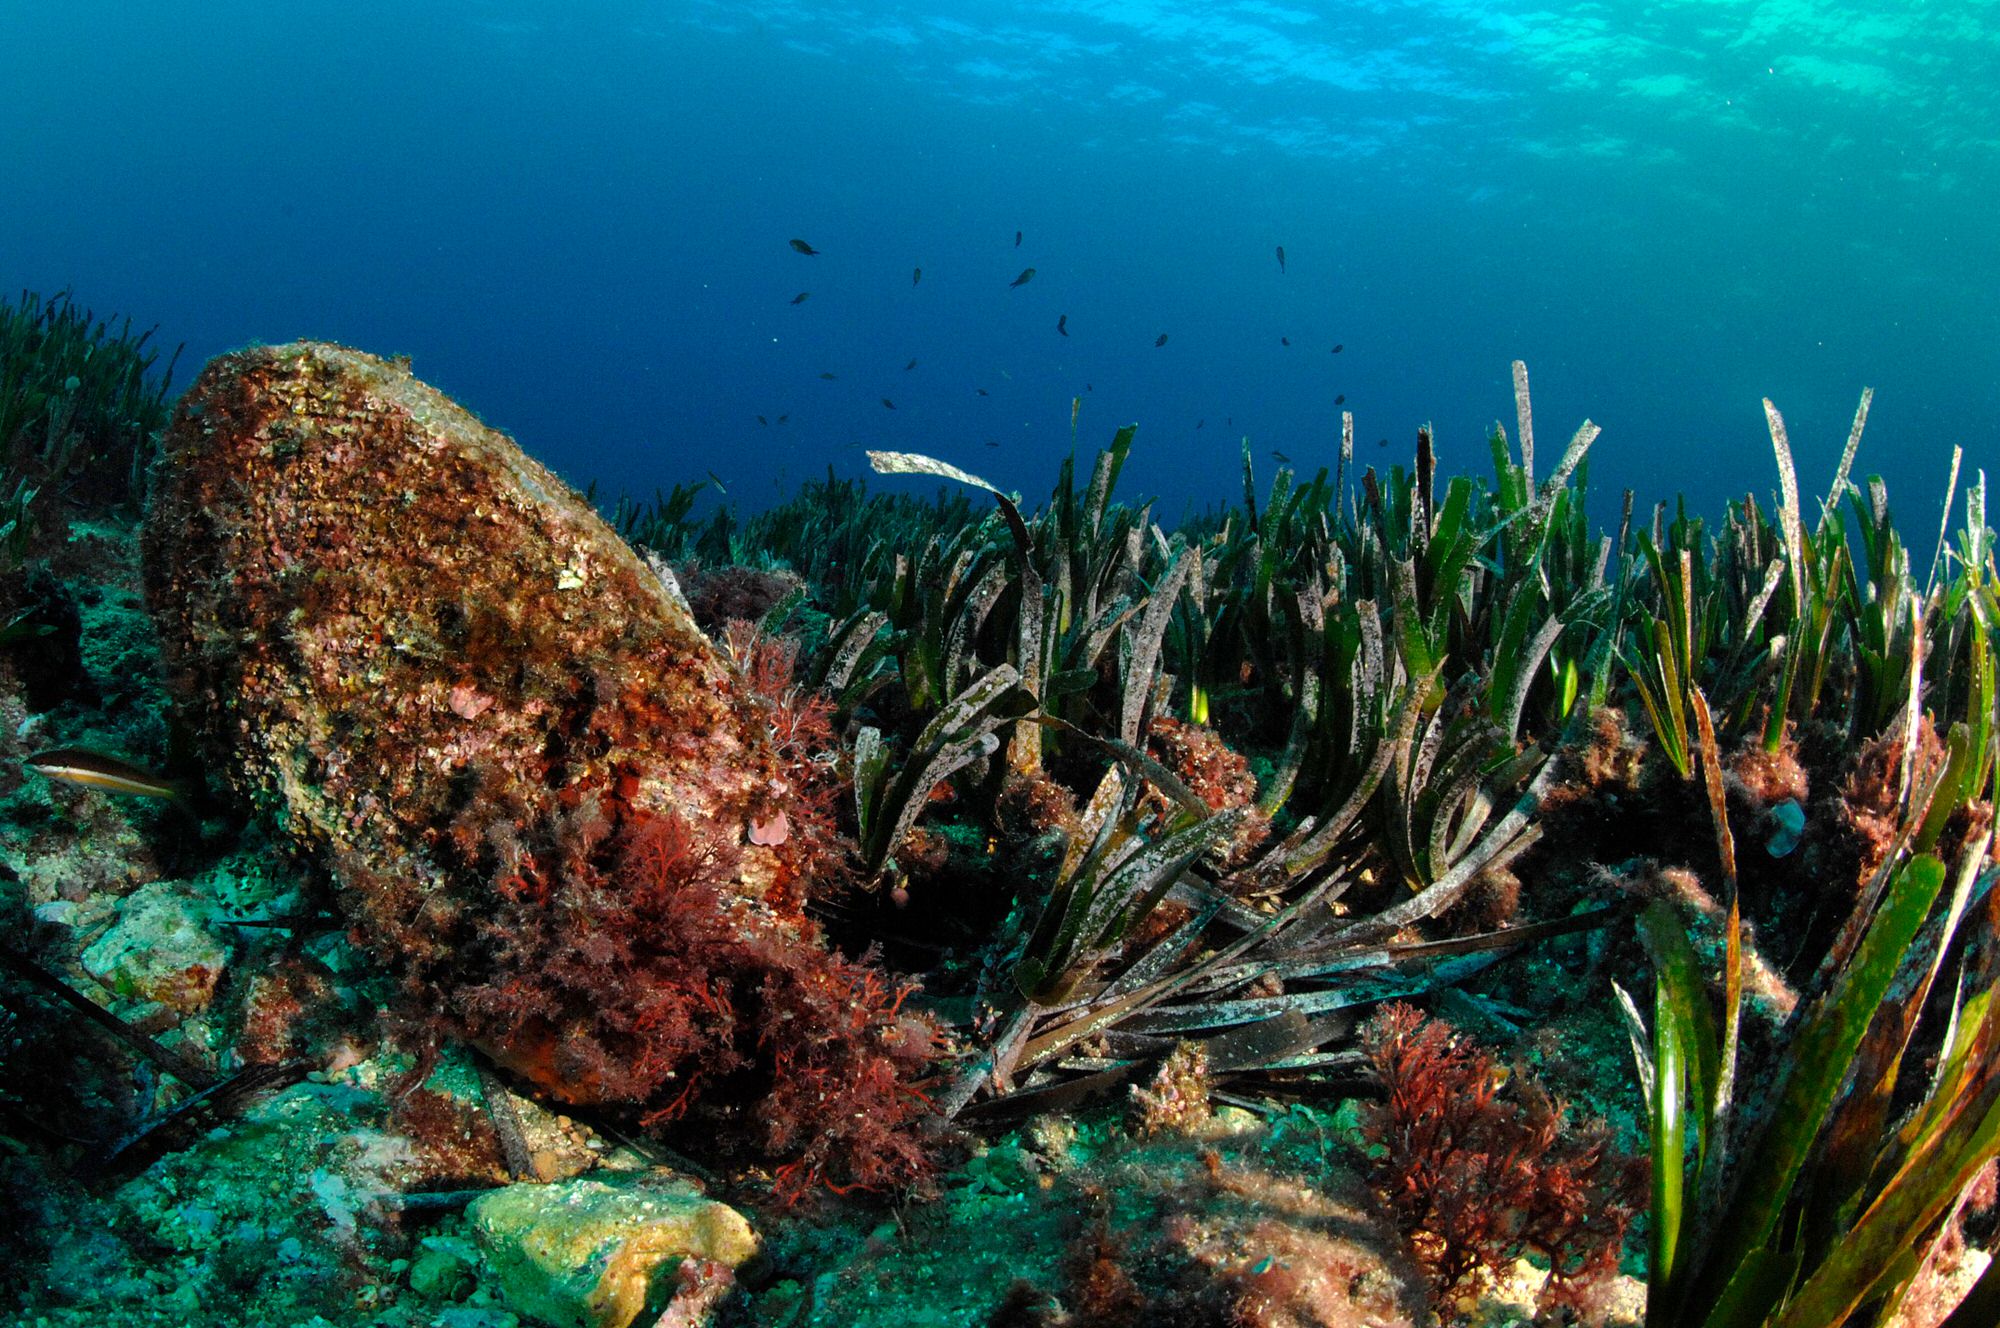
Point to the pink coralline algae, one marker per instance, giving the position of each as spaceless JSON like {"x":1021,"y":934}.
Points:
{"x":550,"y":806}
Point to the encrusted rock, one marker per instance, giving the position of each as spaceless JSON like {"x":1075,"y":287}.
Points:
{"x":1215,"y":774}
{"x":381,"y":609}
{"x":445,"y":1268}
{"x":587,"y":1254}
{"x":1176,"y":1101}
{"x":290,"y":1009}
{"x":160,"y":949}
{"x":431,"y":663}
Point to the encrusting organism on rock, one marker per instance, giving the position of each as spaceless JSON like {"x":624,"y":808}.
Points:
{"x":1218,"y":776}
{"x":1176,"y":1099}
{"x":551,"y":807}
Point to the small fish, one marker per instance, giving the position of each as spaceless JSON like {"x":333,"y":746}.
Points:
{"x":800,"y":298}
{"x":1199,"y":423}
{"x":991,"y":443}
{"x":911,"y":365}
{"x":761,"y":420}
{"x":80,"y":765}
{"x":1339,"y":348}
{"x":1027,"y":275}
{"x":1088,"y":388}
{"x":783,"y":418}
{"x":1161,"y":342}
{"x":716,"y":480}
{"x":1062,"y":324}
{"x":1284,"y":341}
{"x":1340,"y":399}
{"x":829,"y":377}
{"x":916,"y":275}
{"x":1381,"y":442}
{"x":888,"y":403}
{"x":804,"y":248}
{"x":1281,"y":258}
{"x":1017,"y":239}
{"x":982,"y":392}
{"x":1283,"y":460}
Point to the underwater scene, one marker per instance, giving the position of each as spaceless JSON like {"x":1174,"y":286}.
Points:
{"x":1072,"y":664}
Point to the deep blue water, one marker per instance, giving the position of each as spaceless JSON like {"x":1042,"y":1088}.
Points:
{"x":575,"y":217}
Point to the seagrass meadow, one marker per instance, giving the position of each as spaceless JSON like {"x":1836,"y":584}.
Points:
{"x":1395,"y":895}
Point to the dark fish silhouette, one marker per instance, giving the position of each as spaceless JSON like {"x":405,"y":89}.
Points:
{"x":1162,"y":341}
{"x":1341,"y":347}
{"x":982,"y":392}
{"x":804,"y":248}
{"x":800,"y":298}
{"x":1017,"y":239}
{"x":1284,"y":341}
{"x":1199,"y":423}
{"x":911,"y":365}
{"x":761,"y":420}
{"x":1381,"y":442}
{"x":1088,"y":388}
{"x":1027,"y":275}
{"x":890,"y":404}
{"x":783,"y":418}
{"x":1282,"y":458}
{"x":1340,"y":400}
{"x":1062,"y":324}
{"x":1281,"y":258}
{"x":991,"y":443}
{"x":916,"y":275}
{"x":829,"y":377}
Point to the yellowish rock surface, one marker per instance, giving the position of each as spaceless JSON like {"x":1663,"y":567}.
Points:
{"x":589,"y":1253}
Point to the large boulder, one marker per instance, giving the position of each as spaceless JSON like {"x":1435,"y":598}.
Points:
{"x":532,"y":776}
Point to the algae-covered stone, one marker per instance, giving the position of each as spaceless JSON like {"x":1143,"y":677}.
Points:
{"x":439,"y":671}
{"x":160,"y":949}
{"x":588,"y":1254}
{"x":398,"y":634}
{"x":443,"y":1268}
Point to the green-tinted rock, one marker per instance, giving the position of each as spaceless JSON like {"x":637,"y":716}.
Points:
{"x":588,"y":1254}
{"x":443,"y":1268}
{"x":160,"y":949}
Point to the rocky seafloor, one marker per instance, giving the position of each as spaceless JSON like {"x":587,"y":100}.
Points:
{"x":369,"y":1188}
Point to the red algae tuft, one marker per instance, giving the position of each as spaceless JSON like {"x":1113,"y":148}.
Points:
{"x":430,"y":662}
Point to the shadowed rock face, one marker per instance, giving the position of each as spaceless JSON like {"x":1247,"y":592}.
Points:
{"x":449,"y":680}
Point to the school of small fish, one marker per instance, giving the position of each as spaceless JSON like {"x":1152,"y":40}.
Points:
{"x":1027,"y":274}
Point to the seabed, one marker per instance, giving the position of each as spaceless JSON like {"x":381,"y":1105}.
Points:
{"x":1387,"y":899}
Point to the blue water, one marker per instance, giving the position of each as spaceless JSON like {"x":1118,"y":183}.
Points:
{"x":575,"y":217}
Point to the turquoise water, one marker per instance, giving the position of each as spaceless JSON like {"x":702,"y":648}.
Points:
{"x":576,"y":217}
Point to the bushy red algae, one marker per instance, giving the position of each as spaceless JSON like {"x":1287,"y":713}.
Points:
{"x":446,"y":678}
{"x":1480,"y":1166}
